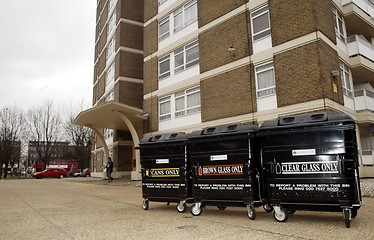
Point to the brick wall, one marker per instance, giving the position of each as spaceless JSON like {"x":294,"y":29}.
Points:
{"x":304,"y":74}
{"x":150,"y":9}
{"x":150,"y":106}
{"x":209,"y":10}
{"x":150,"y":38}
{"x":291,"y":19}
{"x":227,"y":95}
{"x":150,"y":76}
{"x":131,"y":9}
{"x":129,"y":93}
{"x":129,"y":64}
{"x":215,"y":42}
{"x":129,"y":35}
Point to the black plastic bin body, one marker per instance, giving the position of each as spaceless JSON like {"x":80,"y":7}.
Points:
{"x":311,"y":163}
{"x":224,"y":162}
{"x":165,"y":175}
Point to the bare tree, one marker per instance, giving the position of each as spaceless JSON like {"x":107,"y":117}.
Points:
{"x":79,"y":136}
{"x":11,"y":130}
{"x":45,"y":130}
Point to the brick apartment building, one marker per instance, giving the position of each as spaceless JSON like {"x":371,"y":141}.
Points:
{"x":180,"y":65}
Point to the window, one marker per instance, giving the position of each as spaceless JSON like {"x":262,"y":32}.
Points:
{"x":185,"y":15}
{"x":186,"y":57}
{"x":163,"y":29}
{"x":110,"y":96}
{"x":346,"y":79}
{"x":265,"y":82}
{"x":108,"y":133}
{"x":183,"y":103}
{"x":165,"y":108}
{"x":339,"y":24}
{"x":111,"y":48}
{"x":260,"y":23}
{"x":179,"y":19}
{"x":110,"y":4}
{"x":160,"y":2}
{"x":109,"y":78}
{"x":164,"y":67}
{"x":112,"y":23}
{"x":182,"y":58}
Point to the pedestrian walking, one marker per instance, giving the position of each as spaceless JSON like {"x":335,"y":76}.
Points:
{"x":109,"y":169}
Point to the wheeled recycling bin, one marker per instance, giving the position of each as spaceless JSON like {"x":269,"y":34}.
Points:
{"x":165,"y":175}
{"x":310,"y":163}
{"x":224,"y":161}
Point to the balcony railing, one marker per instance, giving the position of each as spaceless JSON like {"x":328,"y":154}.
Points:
{"x":367,"y":157}
{"x":365,"y":5}
{"x":364,"y":100}
{"x":358,"y":45}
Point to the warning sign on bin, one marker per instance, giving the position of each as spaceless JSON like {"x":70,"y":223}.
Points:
{"x":306,"y":167}
{"x":219,"y":170}
{"x":162,"y":172}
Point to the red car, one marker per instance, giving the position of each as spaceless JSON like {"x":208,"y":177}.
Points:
{"x":51,"y":173}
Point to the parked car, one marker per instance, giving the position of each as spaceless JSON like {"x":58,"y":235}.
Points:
{"x":85,"y":173}
{"x":51,"y":173}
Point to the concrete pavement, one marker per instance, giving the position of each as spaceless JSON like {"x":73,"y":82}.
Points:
{"x":94,"y":209}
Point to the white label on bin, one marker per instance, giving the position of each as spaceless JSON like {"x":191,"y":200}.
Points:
{"x":307,"y":167}
{"x":218,"y":157}
{"x":162,"y":161}
{"x":303,"y":152}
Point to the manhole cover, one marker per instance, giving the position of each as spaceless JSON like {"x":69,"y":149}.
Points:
{"x":187,"y":227}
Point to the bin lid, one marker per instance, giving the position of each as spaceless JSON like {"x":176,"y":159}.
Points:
{"x":234,"y":128}
{"x":166,"y":137}
{"x":306,"y":120}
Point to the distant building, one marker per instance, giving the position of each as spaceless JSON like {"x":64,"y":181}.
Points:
{"x":180,"y":65}
{"x":59,"y":150}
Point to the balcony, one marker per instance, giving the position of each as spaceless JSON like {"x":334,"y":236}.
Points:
{"x":358,"y":16}
{"x":365,"y":5}
{"x":364,"y":100}
{"x":361,"y":53}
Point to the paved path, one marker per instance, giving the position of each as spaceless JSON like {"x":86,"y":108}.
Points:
{"x":93,"y":209}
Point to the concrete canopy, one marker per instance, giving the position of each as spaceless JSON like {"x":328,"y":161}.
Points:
{"x":108,"y":115}
{"x":118,"y":116}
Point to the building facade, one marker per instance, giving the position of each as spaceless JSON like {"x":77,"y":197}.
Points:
{"x":205,"y":62}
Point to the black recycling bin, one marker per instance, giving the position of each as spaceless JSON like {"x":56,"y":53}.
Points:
{"x":225,"y":161}
{"x":165,"y":175}
{"x":311,"y":163}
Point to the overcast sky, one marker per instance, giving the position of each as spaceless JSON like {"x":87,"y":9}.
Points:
{"x":46,"y":51}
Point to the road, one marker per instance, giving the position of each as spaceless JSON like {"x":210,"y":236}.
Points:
{"x":75,"y":209}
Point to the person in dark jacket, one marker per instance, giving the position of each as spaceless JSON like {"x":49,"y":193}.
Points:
{"x":109,"y":169}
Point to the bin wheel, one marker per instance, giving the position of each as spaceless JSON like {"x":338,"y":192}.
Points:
{"x":251,"y":211}
{"x":221,"y":207}
{"x":280,"y":214}
{"x":347,"y":218}
{"x":145,"y":204}
{"x":353,"y":212}
{"x":268,"y":207}
{"x":196,"y":209}
{"x":182,"y":207}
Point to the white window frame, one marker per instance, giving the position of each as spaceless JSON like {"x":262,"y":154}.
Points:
{"x":160,"y":2}
{"x":269,"y":90}
{"x":345,"y":76}
{"x":167,"y":114}
{"x":339,"y":28}
{"x":170,"y":18}
{"x":186,"y":109}
{"x":110,"y":74}
{"x":162,"y":36}
{"x":112,"y":23}
{"x":267,"y":31}
{"x":183,"y":51}
{"x":111,"y":48}
{"x":163,"y":59}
